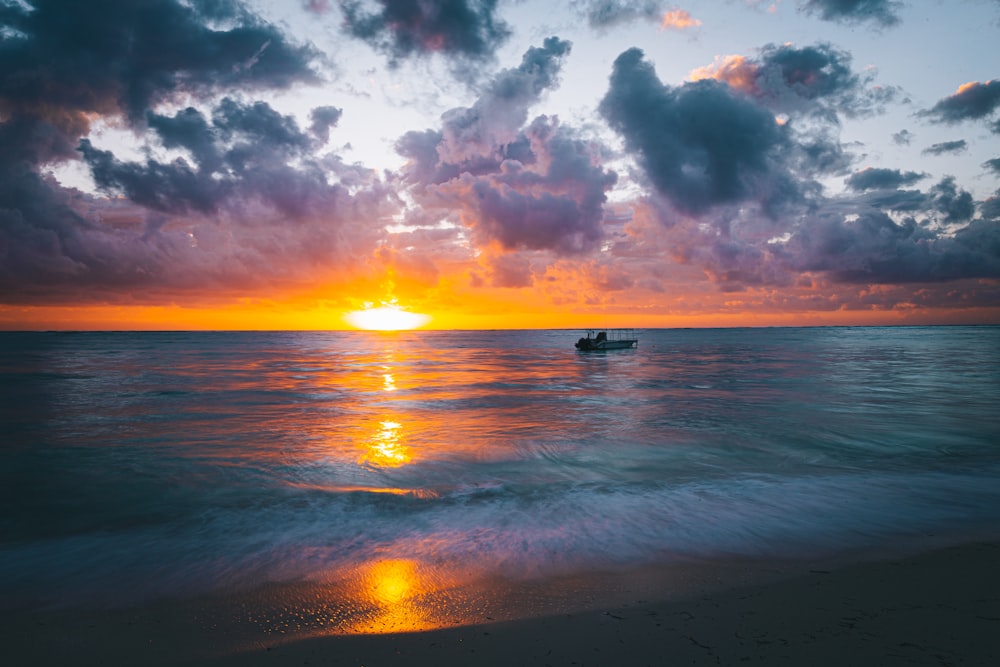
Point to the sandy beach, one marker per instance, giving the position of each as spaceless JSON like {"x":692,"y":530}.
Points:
{"x":938,"y":608}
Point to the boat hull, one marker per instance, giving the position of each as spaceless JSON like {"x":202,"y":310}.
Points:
{"x":587,"y":345}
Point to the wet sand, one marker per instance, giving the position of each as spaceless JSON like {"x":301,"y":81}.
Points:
{"x":938,"y":608}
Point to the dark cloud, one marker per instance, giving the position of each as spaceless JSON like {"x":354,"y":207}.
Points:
{"x":957,"y":205}
{"x":821,"y":74}
{"x":175,"y":187}
{"x":813,"y":81}
{"x":65,"y":63}
{"x":990,"y":208}
{"x":905,"y":201}
{"x":972,"y":101}
{"x":883,"y":13}
{"x":322,"y":119}
{"x":608,"y":13}
{"x":882,"y":179}
{"x":993,"y":165}
{"x":103,"y":56}
{"x":870,"y":247}
{"x":243,"y":154}
{"x":699,"y":143}
{"x":402,"y":28}
{"x":957,"y":146}
{"x":902,"y":138}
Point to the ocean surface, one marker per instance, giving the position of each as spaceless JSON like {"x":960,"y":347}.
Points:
{"x":135,"y":466}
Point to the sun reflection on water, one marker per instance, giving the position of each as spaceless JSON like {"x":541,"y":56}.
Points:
{"x":386,"y":448}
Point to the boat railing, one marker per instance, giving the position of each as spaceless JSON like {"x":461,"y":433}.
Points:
{"x":613,"y":334}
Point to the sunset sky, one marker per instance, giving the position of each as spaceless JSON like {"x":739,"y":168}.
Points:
{"x":191,"y":164}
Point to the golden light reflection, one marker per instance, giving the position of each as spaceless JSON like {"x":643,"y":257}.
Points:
{"x":394,"y":591}
{"x":386,"y":448}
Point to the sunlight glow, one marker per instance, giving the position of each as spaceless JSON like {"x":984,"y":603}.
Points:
{"x":387,"y":317}
{"x":386,"y":449}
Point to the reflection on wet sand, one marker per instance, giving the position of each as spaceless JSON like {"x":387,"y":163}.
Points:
{"x":397,"y":597}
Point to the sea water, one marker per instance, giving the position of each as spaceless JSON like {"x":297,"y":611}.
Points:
{"x":140,"y":465}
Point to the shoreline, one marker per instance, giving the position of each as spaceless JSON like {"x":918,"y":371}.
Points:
{"x":938,"y":607}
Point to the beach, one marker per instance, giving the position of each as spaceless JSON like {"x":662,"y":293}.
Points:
{"x":936,"y":608}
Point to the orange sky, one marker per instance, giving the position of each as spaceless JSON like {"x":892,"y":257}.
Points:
{"x":471,"y":309}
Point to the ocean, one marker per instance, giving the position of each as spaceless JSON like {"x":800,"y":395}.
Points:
{"x":142,"y":466}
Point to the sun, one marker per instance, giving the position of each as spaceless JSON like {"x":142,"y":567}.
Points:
{"x":387,"y":317}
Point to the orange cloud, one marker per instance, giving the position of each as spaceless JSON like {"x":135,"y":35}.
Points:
{"x":735,"y":70}
{"x":678,"y":19}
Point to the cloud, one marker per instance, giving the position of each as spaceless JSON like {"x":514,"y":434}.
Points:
{"x":993,"y":165}
{"x":902,"y":138}
{"x":870,"y":247}
{"x":957,"y":205}
{"x":121,"y":56}
{"x":502,"y":109}
{"x":324,"y":118}
{"x":243,"y":154}
{"x":521,"y":186}
{"x":990,"y":208}
{"x":602,"y":14}
{"x":198,"y":213}
{"x":698,"y":143}
{"x":957,"y":146}
{"x":971,"y":101}
{"x":552,"y":200}
{"x":882,"y":179}
{"x":811,"y":80}
{"x":509,"y":270}
{"x":678,"y":19}
{"x":478,"y":138}
{"x":882,"y":13}
{"x":403,"y":28}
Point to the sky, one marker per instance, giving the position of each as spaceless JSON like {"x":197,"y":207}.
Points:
{"x":265,"y":164}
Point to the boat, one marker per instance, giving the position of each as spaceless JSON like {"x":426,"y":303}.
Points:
{"x":607,"y":339}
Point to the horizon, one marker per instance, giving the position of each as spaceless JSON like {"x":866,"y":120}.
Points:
{"x":388,"y":333}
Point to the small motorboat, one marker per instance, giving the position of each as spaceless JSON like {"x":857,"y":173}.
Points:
{"x":608,"y":339}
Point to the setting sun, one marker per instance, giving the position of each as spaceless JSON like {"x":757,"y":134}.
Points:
{"x":387,"y":317}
